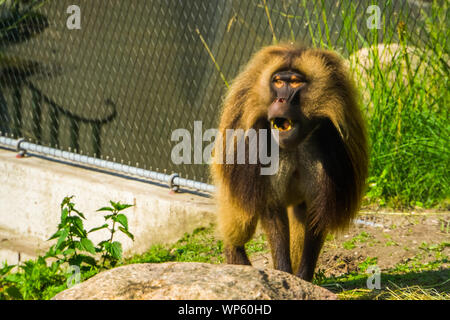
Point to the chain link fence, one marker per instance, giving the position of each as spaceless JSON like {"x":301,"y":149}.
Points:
{"x":137,"y":70}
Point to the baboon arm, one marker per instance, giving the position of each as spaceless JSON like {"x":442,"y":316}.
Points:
{"x":236,"y":226}
{"x":297,"y":217}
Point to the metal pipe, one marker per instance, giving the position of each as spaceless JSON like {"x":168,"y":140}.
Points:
{"x":158,"y":176}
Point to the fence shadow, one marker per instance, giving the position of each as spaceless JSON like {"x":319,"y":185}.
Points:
{"x":18,"y":24}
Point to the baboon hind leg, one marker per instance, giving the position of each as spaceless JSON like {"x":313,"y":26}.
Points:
{"x":237,"y":228}
{"x":311,"y":249}
{"x":236,"y":255}
{"x":276,"y":226}
{"x":312,"y":245}
{"x":306,"y":243}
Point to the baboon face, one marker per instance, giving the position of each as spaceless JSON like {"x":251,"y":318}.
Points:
{"x":299,"y":90}
{"x":285,"y":113}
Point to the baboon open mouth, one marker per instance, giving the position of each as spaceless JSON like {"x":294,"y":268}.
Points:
{"x":282,"y":124}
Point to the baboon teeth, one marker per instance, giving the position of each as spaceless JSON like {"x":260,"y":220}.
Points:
{"x":282,"y":124}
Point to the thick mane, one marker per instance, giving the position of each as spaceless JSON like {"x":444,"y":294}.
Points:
{"x":343,"y":150}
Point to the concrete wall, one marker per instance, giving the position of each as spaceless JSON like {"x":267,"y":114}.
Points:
{"x":31,"y":191}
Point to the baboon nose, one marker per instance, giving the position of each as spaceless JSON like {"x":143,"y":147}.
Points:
{"x":278,"y":109}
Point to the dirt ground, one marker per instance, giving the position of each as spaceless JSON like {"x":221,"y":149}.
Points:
{"x":391,"y":238}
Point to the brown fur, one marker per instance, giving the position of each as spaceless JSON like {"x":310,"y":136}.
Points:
{"x":321,"y":182}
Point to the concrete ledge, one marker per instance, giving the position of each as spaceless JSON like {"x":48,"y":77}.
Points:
{"x":33,"y":188}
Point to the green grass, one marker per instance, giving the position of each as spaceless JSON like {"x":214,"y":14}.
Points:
{"x":360,"y":238}
{"x":199,"y":246}
{"x":409,"y":280}
{"x":426,"y":281}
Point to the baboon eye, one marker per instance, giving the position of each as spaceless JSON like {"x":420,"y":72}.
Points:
{"x":278,"y":83}
{"x":296,"y":84}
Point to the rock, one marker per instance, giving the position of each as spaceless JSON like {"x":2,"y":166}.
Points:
{"x":421,"y":3}
{"x":194,"y":281}
{"x":388,"y":56}
{"x":396,"y":63}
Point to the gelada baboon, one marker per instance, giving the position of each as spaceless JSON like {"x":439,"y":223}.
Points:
{"x":307,"y":95}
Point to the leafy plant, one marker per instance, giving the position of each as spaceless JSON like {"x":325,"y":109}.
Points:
{"x":72,"y":242}
{"x":42,"y":279}
{"x":34,"y":280}
{"x":112,"y":250}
